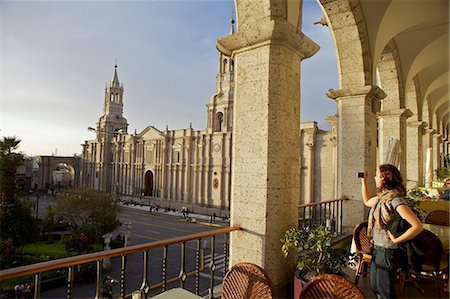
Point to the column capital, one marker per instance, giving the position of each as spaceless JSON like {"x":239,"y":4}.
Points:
{"x":418,"y":124}
{"x":333,"y":121}
{"x":430,"y":131}
{"x":404,"y":113}
{"x":438,"y":136}
{"x":372,"y":93}
{"x":367,"y":90}
{"x":262,"y":32}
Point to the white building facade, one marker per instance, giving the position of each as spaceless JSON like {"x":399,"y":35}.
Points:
{"x":185,"y":165}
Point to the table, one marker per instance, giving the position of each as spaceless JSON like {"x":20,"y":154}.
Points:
{"x":429,"y":206}
{"x":177,"y":293}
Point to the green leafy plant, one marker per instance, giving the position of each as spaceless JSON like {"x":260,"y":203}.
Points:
{"x":442,"y":173}
{"x":315,"y":254}
{"x":416,"y":192}
{"x":413,"y":201}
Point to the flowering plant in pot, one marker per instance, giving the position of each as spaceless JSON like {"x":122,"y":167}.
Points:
{"x":314,"y":251}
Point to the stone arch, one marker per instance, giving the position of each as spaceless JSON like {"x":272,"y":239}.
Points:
{"x":47,"y":165}
{"x":218,"y":120}
{"x":148,"y":183}
{"x":390,"y":78}
{"x":412,"y":99}
{"x":350,"y":41}
{"x":392,"y":119}
{"x":63,"y":175}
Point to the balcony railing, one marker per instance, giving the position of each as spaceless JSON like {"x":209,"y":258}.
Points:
{"x":327,"y":213}
{"x":145,"y":288}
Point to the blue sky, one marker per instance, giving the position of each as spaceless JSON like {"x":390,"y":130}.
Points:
{"x":56,"y":56}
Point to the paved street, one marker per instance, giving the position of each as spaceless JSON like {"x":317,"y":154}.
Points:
{"x":148,"y":227}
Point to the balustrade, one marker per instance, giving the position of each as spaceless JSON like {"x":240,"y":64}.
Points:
{"x":327,"y":213}
{"x":146,"y":287}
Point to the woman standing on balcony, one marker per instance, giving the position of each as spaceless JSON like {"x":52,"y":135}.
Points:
{"x":387,"y":206}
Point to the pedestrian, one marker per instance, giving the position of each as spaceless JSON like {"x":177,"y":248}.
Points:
{"x":446,"y":194}
{"x":19,"y":290}
{"x":210,"y":219}
{"x":214,"y":216}
{"x":107,"y":287}
{"x":387,"y":207}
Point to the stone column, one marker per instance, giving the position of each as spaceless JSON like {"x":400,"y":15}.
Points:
{"x":357,"y":145}
{"x":309,"y":164}
{"x":392,"y":123}
{"x":266,"y":149}
{"x":437,"y":139}
{"x":187,"y":195}
{"x":446,"y":146}
{"x":414,"y":153}
{"x":428,"y":149}
{"x":333,"y":121}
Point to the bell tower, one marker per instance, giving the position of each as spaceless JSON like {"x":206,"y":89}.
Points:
{"x":112,"y":119}
{"x":220,"y":106}
{"x":110,"y":126}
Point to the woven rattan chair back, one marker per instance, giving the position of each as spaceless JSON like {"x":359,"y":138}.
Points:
{"x":363,"y":250}
{"x":327,"y":286}
{"x":362,"y":241}
{"x":438,"y":217}
{"x":246,"y":281}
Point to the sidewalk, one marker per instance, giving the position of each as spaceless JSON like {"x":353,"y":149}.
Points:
{"x":143,"y":205}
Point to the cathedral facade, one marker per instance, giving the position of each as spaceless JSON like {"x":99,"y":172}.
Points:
{"x":186,"y":166}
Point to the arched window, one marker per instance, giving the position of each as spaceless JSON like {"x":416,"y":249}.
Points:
{"x":225,"y":64}
{"x":218,"y":122}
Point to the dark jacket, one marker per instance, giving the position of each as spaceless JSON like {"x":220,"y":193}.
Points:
{"x":413,"y":250}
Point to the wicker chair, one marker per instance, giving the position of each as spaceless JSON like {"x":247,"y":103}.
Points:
{"x":438,"y":217}
{"x":246,"y":281}
{"x":431,"y":265}
{"x":331,"y":286}
{"x":363,"y":250}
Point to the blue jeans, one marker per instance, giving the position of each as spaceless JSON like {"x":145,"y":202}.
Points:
{"x":383,"y":272}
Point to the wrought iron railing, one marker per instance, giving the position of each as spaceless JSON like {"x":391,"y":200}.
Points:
{"x":326,"y":213}
{"x":145,"y":288}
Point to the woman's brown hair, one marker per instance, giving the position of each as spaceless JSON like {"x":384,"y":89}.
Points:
{"x":392,"y":179}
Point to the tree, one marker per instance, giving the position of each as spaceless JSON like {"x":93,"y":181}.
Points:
{"x":17,"y":225}
{"x":90,"y":212}
{"x":9,"y":161}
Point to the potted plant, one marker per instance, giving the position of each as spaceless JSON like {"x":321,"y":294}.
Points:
{"x":315,"y":254}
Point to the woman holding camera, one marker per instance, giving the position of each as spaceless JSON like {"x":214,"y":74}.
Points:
{"x":387,"y":206}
